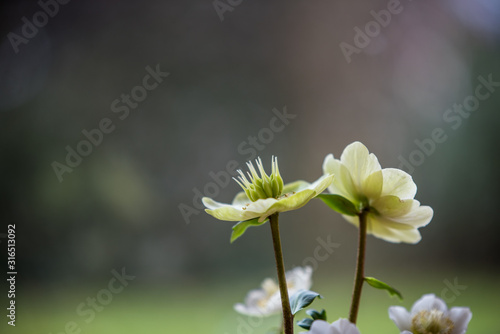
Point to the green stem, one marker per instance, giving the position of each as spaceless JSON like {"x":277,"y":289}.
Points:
{"x":278,"y":254}
{"x":360,"y":269}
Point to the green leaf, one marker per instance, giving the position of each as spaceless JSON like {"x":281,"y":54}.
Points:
{"x":317,"y":315}
{"x":302,"y":299}
{"x":305,"y":323}
{"x":242,"y":226}
{"x":383,"y":286}
{"x":340,"y":204}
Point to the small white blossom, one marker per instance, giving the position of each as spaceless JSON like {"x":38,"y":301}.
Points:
{"x":430,"y":315}
{"x":267,"y":300}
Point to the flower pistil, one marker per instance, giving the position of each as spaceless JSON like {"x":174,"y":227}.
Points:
{"x":263,"y":186}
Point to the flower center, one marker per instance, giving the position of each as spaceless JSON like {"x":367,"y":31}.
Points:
{"x":431,"y":322}
{"x":261,"y":186}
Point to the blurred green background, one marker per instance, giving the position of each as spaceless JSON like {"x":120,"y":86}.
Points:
{"x":133,"y":202}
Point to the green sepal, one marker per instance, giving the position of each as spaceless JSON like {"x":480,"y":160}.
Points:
{"x":302,"y":299}
{"x":383,"y":286}
{"x":242,"y":226}
{"x":317,"y":315}
{"x":305,"y":323}
{"x":340,"y":204}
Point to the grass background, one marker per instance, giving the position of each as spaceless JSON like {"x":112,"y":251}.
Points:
{"x":194,"y":308}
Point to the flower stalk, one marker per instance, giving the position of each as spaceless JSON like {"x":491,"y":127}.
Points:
{"x":280,"y":267}
{"x":360,"y":268}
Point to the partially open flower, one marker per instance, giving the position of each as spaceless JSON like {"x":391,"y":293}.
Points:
{"x":341,"y":326}
{"x":267,"y":300}
{"x":264,"y":195}
{"x":385,"y":194}
{"x":429,"y":315}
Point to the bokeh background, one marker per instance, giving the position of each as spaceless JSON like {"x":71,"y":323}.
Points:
{"x":134,"y":201}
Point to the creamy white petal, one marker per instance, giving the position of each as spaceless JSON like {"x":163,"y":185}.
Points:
{"x":321,"y":184}
{"x":359,"y":162}
{"x":252,"y":304}
{"x":418,"y":216}
{"x":391,"y":206}
{"x":289,"y":203}
{"x":295,"y":186}
{"x":241,"y":199}
{"x":398,"y":183}
{"x":341,"y":326}
{"x":371,"y":186}
{"x":237,"y":212}
{"x":344,"y":326}
{"x":395,"y":233}
{"x":401,"y":317}
{"x":321,"y":327}
{"x":428,"y":302}
{"x":387,"y":230}
{"x":299,"y":278}
{"x":212,"y":205}
{"x":226,"y":211}
{"x":461,"y":317}
{"x":342,"y":183}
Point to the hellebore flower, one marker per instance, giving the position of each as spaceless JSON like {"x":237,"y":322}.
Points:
{"x":429,"y":315}
{"x":264,"y":195}
{"x":341,"y":326}
{"x":267,"y":300}
{"x":385,"y":195}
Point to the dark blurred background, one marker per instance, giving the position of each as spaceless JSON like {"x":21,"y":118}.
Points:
{"x":133,"y":201}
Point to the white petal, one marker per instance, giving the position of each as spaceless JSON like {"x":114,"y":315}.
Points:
{"x":428,"y":302}
{"x":460,"y":317}
{"x":401,"y":317}
{"x":359,"y":162}
{"x":261,"y":205}
{"x":342,"y":183}
{"x":418,"y":216}
{"x":321,"y":184}
{"x":322,"y":327}
{"x":392,"y":232}
{"x":371,"y":187}
{"x":299,"y":278}
{"x":344,"y":326}
{"x":211,"y":204}
{"x":388,"y":230}
{"x":392,"y":206}
{"x":230,"y":212}
{"x":398,"y":183}
{"x":241,"y":199}
{"x":251,"y":305}
{"x":295,"y":186}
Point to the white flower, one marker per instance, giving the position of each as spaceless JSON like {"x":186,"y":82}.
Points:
{"x":265,"y":195}
{"x":267,"y":300}
{"x":341,"y":326}
{"x":386,"y":194}
{"x":429,"y":315}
